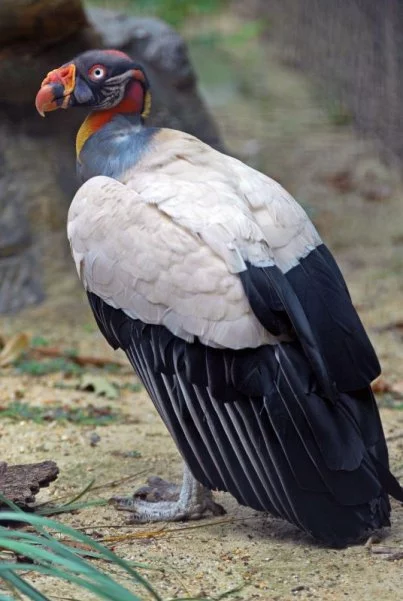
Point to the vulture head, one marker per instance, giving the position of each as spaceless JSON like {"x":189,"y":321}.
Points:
{"x":98,"y":79}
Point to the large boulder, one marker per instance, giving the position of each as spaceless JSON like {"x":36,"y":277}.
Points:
{"x":37,"y":161}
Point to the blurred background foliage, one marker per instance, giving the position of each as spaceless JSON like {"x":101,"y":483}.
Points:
{"x":174,"y":12}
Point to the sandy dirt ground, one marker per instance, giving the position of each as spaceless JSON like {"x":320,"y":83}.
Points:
{"x":292,"y":138}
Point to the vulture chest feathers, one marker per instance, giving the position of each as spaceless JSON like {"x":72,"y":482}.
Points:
{"x":234,"y":314}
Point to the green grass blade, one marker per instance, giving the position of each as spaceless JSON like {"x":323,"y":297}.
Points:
{"x":16,"y":594}
{"x":10,"y":504}
{"x":24,"y":587}
{"x":67,"y":559}
{"x":110,"y":591}
{"x":39,"y":554}
{"x":20,"y":511}
{"x":68,"y":507}
{"x":80,"y":494}
{"x":58,"y":546}
{"x":43,"y":522}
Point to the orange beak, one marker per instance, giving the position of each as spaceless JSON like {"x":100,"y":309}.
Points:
{"x":56,"y":89}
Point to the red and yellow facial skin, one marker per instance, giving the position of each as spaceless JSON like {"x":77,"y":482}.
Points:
{"x":107,"y":82}
{"x":56,"y":89}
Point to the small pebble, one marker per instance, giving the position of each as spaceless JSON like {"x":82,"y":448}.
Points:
{"x":298,"y":588}
{"x":94,"y":439}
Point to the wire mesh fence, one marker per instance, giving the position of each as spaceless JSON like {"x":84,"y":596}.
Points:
{"x":355,"y":50}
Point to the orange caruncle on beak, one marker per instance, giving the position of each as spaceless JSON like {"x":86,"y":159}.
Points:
{"x":56,"y":89}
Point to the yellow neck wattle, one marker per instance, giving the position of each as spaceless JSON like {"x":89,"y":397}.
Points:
{"x":97,"y":119}
{"x":91,"y":124}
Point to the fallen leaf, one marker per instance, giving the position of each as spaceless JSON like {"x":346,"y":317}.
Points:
{"x":14,"y":349}
{"x":99,"y":385}
{"x":381,"y":386}
{"x":341,"y":181}
{"x":394,"y":325}
{"x":41,"y":351}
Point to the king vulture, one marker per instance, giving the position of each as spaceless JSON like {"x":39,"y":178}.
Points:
{"x":233,"y":312}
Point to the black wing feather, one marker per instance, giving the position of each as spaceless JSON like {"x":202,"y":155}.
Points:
{"x":270,"y":440}
{"x":256,"y":280}
{"x":315,"y":302}
{"x":338,"y":330}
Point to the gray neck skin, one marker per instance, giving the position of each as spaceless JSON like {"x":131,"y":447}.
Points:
{"x":114,"y":148}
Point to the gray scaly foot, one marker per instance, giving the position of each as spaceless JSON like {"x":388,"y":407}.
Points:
{"x":162,"y":501}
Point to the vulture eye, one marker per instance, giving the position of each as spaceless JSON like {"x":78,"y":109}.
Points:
{"x":97,"y":72}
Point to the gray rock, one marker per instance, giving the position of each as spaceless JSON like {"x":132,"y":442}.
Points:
{"x":20,"y":275}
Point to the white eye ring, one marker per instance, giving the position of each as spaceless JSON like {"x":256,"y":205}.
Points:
{"x":97,"y":72}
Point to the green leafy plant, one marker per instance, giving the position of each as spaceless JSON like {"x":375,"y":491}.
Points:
{"x":41,"y":552}
{"x":43,"y":546}
{"x":174,"y":12}
{"x":34,"y":367}
{"x":38,"y":342}
{"x":87,"y":415}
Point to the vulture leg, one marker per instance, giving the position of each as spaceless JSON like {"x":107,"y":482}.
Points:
{"x":167,"y":502}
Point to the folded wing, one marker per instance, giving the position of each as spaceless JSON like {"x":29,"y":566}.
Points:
{"x":136,"y":258}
